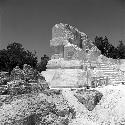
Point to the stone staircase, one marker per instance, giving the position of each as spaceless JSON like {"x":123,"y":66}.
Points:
{"x":113,"y":75}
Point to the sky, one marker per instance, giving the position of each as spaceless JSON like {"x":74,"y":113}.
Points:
{"x":30,"y":22}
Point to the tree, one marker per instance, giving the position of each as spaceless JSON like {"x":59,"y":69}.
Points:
{"x":42,"y":65}
{"x":106,"y":48}
{"x":4,"y":59}
{"x":15,"y":55}
{"x":121,"y":50}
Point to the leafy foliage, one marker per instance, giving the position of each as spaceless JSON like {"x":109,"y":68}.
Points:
{"x":121,"y":49}
{"x":108,"y":49}
{"x":42,"y":65}
{"x":15,"y":55}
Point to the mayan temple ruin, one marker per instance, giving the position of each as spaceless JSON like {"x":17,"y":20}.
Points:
{"x":77,"y":62}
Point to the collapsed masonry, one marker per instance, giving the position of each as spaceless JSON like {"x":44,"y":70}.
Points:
{"x":77,"y":62}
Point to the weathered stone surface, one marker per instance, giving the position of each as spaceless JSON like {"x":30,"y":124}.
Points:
{"x":16,"y":73}
{"x":59,"y":49}
{"x":63,"y":33}
{"x":27,"y":73}
{"x":30,"y":75}
{"x":76,"y":37}
{"x":87,"y":44}
{"x":74,"y":50}
{"x":93,"y":54}
{"x":99,"y":81}
{"x":58,"y":31}
{"x":58,"y":41}
{"x":68,"y":78}
{"x":57,"y":56}
{"x":89,"y":98}
{"x":61,"y":63}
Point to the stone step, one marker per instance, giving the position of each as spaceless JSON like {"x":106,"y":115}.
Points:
{"x":103,"y":65}
{"x":106,"y":68}
{"x":112,"y":73}
{"x":109,"y":72}
{"x":113,"y":78}
{"x":109,"y":76}
{"x":117,"y":79}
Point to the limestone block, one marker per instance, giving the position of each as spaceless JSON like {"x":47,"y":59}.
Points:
{"x":94,"y":54}
{"x":57,"y":56}
{"x":122,"y":67}
{"x":48,"y":74}
{"x":87,"y":44}
{"x":62,"y":32}
{"x":81,"y":55}
{"x":61,"y":63}
{"x":73,"y":52}
{"x":103,"y":59}
{"x":58,"y":31}
{"x":58,"y":41}
{"x":68,"y":78}
{"x":53,"y":63}
{"x":58,"y":50}
{"x":76,"y":39}
{"x":69,"y":51}
{"x":75,"y":36}
{"x":78,"y":55}
{"x":70,"y":63}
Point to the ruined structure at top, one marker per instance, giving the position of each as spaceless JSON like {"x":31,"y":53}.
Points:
{"x":78,"y":62}
{"x":69,"y":43}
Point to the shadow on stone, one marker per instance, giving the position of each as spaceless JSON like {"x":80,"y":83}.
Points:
{"x":89,"y":98}
{"x":31,"y":120}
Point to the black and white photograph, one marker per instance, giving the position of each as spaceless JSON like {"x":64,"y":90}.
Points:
{"x":62,"y":62}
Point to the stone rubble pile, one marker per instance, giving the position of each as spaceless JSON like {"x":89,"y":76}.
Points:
{"x":21,"y":81}
{"x":27,"y":73}
{"x":38,"y":109}
{"x":109,"y":110}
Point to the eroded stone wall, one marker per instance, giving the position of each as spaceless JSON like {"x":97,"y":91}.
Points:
{"x":58,"y":31}
{"x":73,"y":53}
